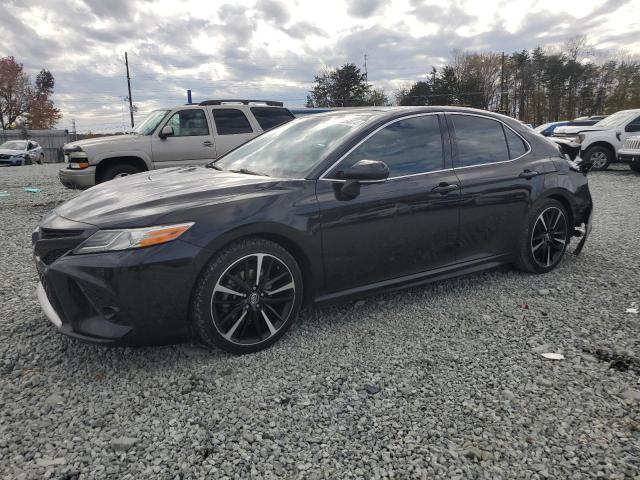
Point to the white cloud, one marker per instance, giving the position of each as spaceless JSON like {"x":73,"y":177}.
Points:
{"x":273,"y":48}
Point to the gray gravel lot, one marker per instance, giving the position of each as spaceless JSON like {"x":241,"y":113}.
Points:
{"x":439,"y":381}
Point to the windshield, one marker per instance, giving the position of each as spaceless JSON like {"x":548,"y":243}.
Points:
{"x":616,"y":119}
{"x":150,"y":123}
{"x":291,"y":150}
{"x":14,"y":145}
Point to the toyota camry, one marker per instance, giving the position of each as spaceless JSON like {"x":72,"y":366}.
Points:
{"x":321,"y":209}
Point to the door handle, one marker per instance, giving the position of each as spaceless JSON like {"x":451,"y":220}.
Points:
{"x":444,"y":188}
{"x":207,"y":143}
{"x":528,"y":174}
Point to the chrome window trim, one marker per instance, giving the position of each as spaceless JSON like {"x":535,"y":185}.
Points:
{"x":504,"y":125}
{"x":390,"y":122}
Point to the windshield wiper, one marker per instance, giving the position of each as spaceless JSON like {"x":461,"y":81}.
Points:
{"x":214,"y":166}
{"x":246,"y":171}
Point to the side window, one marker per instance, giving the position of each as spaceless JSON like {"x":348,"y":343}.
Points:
{"x":189,"y":123}
{"x":479,"y":140}
{"x":412,"y":145}
{"x":517,"y":147}
{"x":269,"y":117}
{"x":634,"y":125}
{"x":231,"y":121}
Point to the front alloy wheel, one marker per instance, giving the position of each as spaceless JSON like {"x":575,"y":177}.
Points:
{"x":253,"y":299}
{"x":252,"y":291}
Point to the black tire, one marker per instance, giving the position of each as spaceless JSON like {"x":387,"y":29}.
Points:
{"x":118,"y":170}
{"x":263,"y":307}
{"x":602,"y":157}
{"x":533,"y":256}
{"x":635,"y":167}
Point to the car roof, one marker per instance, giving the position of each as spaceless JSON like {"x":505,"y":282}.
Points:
{"x":381,"y":113}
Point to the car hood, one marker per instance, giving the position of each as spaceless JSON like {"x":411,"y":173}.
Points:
{"x":106,"y":143}
{"x":576,"y":129}
{"x":139,"y":200}
{"x":6,"y":151}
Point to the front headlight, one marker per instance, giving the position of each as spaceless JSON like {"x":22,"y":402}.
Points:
{"x":114,"y":240}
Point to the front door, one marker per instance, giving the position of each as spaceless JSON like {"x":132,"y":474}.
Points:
{"x":191,"y":143}
{"x":406,"y":224}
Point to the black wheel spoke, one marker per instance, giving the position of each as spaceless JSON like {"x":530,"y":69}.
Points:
{"x":241,"y":283}
{"x":230,"y":314}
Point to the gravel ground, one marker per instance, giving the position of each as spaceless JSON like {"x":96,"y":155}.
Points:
{"x":439,"y":381}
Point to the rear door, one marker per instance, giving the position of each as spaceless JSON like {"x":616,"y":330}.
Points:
{"x":497,"y":174}
{"x":232,"y":128}
{"x":191,"y":142}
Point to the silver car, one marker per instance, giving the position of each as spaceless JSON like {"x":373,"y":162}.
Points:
{"x":20,"y":152}
{"x":184,"y":135}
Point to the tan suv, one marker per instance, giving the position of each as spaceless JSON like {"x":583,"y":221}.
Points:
{"x":184,"y":135}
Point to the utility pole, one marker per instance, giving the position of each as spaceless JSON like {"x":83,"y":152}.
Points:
{"x":366,"y":74}
{"x":189,"y":97}
{"x":73,"y":129}
{"x":502,"y":109}
{"x":126,"y":62}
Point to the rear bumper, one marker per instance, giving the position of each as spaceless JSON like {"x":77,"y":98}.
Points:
{"x":78,"y":179}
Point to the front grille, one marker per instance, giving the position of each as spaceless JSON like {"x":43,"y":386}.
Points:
{"x":47,"y":289}
{"x":48,"y":233}
{"x":4,"y":156}
{"x":53,"y":255}
{"x":632,"y":143}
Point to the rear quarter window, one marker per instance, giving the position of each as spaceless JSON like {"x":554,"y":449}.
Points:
{"x":517,"y":147}
{"x":269,"y":117}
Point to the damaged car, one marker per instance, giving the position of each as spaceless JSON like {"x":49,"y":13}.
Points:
{"x":322,"y":209}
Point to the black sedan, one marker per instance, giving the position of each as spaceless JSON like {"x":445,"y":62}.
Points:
{"x":321,"y":209}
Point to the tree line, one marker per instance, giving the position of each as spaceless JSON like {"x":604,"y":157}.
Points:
{"x":535,"y":86}
{"x":23,"y":104}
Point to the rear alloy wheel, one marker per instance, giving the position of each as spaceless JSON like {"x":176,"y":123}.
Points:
{"x":600,"y":157}
{"x":248,"y":298}
{"x":545,"y":239}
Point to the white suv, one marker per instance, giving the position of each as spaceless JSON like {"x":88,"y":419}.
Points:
{"x":184,"y":135}
{"x":599,"y":144}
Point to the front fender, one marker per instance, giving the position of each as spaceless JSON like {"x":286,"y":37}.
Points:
{"x":124,"y":153}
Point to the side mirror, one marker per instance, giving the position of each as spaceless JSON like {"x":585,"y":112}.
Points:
{"x":167,"y":131}
{"x":362,"y":171}
{"x":632,"y":127}
{"x":367,"y":171}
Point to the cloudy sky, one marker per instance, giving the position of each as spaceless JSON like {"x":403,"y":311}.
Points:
{"x":272,"y":48}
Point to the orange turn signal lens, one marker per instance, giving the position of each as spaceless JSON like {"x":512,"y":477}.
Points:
{"x":163,"y":235}
{"x":79,"y":165}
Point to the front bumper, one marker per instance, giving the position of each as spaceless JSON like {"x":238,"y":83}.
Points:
{"x":12,"y":162}
{"x":566,"y":142}
{"x":133,"y":297}
{"x":78,"y":179}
